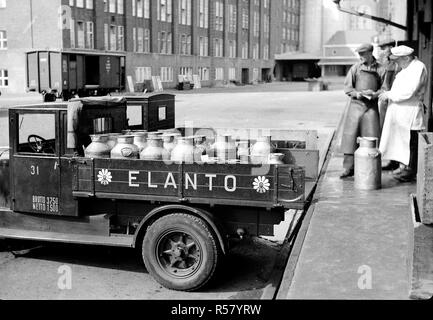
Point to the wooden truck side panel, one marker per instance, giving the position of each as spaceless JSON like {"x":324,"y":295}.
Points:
{"x":225,"y":184}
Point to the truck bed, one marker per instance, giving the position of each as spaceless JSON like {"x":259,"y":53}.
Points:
{"x":248,"y":185}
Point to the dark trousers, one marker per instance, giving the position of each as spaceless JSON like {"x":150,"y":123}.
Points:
{"x":413,"y":147}
{"x":349,"y":162}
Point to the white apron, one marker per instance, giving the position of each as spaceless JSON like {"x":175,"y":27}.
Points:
{"x":404,"y":113}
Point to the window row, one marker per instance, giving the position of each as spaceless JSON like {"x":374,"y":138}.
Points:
{"x":3,"y":40}
{"x":2,"y":4}
{"x":88,"y":4}
{"x":186,"y":73}
{"x":290,"y":34}
{"x":290,"y":18}
{"x":4,"y":79}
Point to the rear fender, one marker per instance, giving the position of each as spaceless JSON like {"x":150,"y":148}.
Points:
{"x":210,"y":219}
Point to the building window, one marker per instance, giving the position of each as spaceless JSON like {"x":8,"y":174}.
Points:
{"x":89,"y":4}
{"x":140,"y":42}
{"x":120,"y":6}
{"x":218,"y":47}
{"x":120,"y":38}
{"x":113,"y":38}
{"x":80,"y":3}
{"x":112,"y":7}
{"x":71,"y":2}
{"x":233,"y":18}
{"x":147,"y":9}
{"x":2,"y":3}
{"x":164,"y":10}
{"x":266,"y":3}
{"x":146,"y":40}
{"x":203,"y":14}
{"x":186,"y":72}
{"x":4,"y":79}
{"x":106,"y":37}
{"x":143,"y":73}
{"x":140,"y":8}
{"x":219,"y":73}
{"x":185,"y":44}
{"x":245,"y":50}
{"x":134,"y":8}
{"x":166,"y":74}
{"x":232,"y":74}
{"x":219,"y":15}
{"x":3,"y":40}
{"x":245,"y":17}
{"x":105,"y":5}
{"x":232,"y":48}
{"x":203,"y":46}
{"x":72,"y":33}
{"x":185,"y":12}
{"x":90,"y":35}
{"x":134,"y":39}
{"x":256,"y":25}
{"x":203,"y":73}
{"x":164,"y":40}
{"x":266,"y":25}
{"x":80,"y":34}
{"x":256,"y":51}
{"x":266,"y":52}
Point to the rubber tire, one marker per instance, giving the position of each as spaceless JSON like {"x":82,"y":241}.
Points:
{"x":191,"y":225}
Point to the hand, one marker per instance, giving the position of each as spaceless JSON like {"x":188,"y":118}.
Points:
{"x":356,"y":95}
{"x":383,"y":96}
{"x":368,"y":92}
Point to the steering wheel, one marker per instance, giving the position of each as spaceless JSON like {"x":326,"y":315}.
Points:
{"x":36,"y":143}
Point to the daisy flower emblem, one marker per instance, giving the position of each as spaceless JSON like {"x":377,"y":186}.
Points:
{"x":104,"y":177}
{"x":261,"y":184}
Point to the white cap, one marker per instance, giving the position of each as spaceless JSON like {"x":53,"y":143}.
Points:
{"x":401,"y":51}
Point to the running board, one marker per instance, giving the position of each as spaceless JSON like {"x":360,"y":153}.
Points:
{"x":113,"y":240}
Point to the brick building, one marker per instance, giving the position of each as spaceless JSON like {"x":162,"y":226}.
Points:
{"x":219,"y":40}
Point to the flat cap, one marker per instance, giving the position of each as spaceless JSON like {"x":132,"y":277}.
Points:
{"x":401,"y":51}
{"x":364,"y":48}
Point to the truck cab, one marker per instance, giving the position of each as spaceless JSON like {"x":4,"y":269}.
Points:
{"x":179,"y":215}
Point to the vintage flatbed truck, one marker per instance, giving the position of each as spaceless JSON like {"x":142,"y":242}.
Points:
{"x":179,"y":215}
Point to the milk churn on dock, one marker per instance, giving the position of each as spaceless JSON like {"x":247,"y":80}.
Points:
{"x":368,"y":164}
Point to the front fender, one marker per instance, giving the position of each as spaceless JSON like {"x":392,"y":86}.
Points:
{"x":210,"y":219}
{"x":4,"y":178}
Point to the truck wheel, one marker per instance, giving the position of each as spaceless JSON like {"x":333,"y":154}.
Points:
{"x":180,"y":252}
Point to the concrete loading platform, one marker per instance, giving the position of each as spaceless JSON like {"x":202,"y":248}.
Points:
{"x":358,"y":244}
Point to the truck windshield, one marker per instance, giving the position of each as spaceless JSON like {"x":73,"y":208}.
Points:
{"x":37,"y":133}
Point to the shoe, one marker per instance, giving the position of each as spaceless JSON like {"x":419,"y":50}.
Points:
{"x":347,"y":174}
{"x":406,"y":175}
{"x":391,"y":165}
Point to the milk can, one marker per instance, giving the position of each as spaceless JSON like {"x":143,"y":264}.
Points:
{"x":98,"y":148}
{"x":276,"y":158}
{"x":140,"y":140}
{"x":125,"y":148}
{"x":243,"y":151}
{"x":169,"y":141}
{"x":112,"y":139}
{"x":368,"y":164}
{"x":201,"y":147}
{"x":184,"y":150}
{"x":154,"y":149}
{"x":225,"y":148}
{"x":261,"y":149}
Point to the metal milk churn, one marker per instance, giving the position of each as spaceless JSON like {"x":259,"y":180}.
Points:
{"x":154,"y":149}
{"x":140,"y":140}
{"x":368,"y":164}
{"x":112,"y":139}
{"x":125,"y":148}
{"x":261,"y":149}
{"x":98,"y":148}
{"x":243,"y":151}
{"x":184,"y":150}
{"x":225,"y":148}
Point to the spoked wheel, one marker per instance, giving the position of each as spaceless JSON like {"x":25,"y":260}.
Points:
{"x":180,"y":252}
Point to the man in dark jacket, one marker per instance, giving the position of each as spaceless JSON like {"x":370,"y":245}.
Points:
{"x":363,"y":85}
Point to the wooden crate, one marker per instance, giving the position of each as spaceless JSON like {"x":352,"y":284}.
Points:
{"x":424,"y":188}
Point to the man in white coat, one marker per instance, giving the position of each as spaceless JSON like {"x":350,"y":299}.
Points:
{"x":404,"y":116}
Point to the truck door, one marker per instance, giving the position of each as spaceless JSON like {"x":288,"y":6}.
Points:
{"x":35,"y":160}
